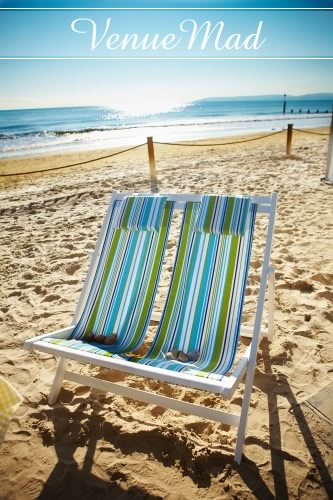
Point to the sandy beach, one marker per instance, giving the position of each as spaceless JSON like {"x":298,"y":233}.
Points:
{"x":99,"y":446}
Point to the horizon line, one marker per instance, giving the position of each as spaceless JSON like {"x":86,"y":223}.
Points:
{"x":239,"y":97}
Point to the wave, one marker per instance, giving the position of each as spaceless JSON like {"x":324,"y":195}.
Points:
{"x":54,"y":133}
{"x":174,"y":123}
{"x":21,"y":141}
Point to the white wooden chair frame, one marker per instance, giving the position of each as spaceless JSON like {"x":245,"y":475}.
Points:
{"x":226,"y":387}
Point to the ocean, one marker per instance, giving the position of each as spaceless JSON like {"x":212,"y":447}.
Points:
{"x":40,"y":131}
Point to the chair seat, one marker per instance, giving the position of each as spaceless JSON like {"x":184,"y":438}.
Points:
{"x":197,"y":368}
{"x":158,"y":369}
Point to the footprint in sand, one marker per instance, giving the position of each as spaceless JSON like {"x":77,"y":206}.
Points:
{"x":291,"y":439}
{"x":301,"y":285}
{"x":326,"y":294}
{"x":157,"y":411}
{"x":51,"y":298}
{"x":326,"y":354}
{"x":324,"y":278}
{"x":198,"y":427}
{"x":305,"y":333}
{"x":71,"y":269}
{"x":23,"y":284}
{"x":70,"y":246}
{"x":189,"y":398}
{"x":40,"y":290}
{"x":328,"y":315}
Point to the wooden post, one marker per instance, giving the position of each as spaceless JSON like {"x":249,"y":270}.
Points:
{"x":329,"y":172}
{"x":152,"y":165}
{"x":284,"y":104}
{"x":289,"y":138}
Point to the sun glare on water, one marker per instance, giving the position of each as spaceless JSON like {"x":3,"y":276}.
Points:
{"x":138,"y":108}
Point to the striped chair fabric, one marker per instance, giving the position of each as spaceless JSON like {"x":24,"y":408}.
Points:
{"x":125,"y":283}
{"x":204,"y":304}
{"x":141,"y":213}
{"x":223,"y":215}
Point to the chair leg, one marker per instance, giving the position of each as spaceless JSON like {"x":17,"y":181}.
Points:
{"x":271,"y":297}
{"x":243,"y":420}
{"x":245,"y":405}
{"x":242,"y":425}
{"x":57,"y":382}
{"x":239,"y":447}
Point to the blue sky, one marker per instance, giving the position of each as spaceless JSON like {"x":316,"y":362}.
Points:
{"x":47,"y":83}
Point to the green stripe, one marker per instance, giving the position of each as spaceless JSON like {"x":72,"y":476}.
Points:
{"x":127,"y":213}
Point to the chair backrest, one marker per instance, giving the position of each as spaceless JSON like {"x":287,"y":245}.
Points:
{"x":124,"y":285}
{"x":204,"y":304}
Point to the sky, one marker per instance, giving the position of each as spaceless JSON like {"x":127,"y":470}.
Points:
{"x":158,"y":78}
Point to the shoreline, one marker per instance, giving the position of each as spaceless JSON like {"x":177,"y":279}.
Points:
{"x":200,"y":132}
{"x":86,"y":158}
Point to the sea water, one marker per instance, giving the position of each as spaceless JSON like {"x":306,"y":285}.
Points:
{"x":35,"y":131}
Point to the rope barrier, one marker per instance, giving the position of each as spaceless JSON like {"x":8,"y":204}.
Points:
{"x":222,"y":144}
{"x":75,"y":164}
{"x":308,"y":132}
{"x":161,"y":143}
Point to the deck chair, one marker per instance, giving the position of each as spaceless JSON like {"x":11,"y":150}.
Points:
{"x":202,"y":312}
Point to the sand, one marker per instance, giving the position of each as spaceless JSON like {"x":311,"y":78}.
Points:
{"x":95,"y":445}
